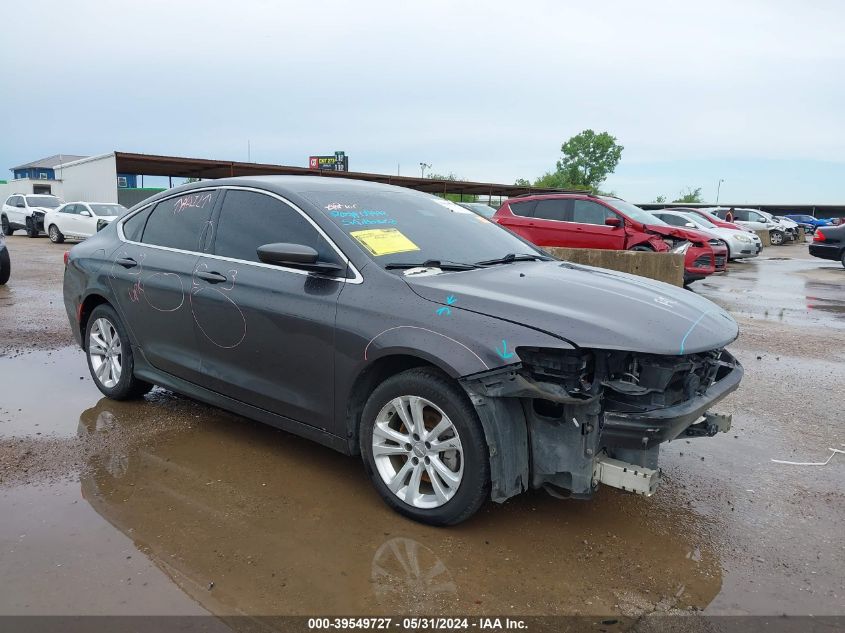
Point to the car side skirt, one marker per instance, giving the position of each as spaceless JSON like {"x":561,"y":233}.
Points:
{"x":145,"y":371}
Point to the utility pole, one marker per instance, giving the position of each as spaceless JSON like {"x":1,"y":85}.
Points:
{"x":718,"y":190}
{"x":423,"y":167}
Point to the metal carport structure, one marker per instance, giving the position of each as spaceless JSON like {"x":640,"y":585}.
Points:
{"x":153,"y":165}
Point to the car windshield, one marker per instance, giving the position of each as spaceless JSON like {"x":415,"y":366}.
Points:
{"x":108,"y":209}
{"x":411,"y":227}
{"x":634,"y":212}
{"x":49,"y":202}
{"x":699,"y":220}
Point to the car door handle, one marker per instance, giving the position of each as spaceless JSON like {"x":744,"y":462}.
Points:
{"x":212,"y":278}
{"x":127,"y":262}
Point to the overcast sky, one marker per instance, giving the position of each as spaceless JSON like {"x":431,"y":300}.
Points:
{"x":752,"y":92}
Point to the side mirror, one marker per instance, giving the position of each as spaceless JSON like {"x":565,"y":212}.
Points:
{"x":295,"y":256}
{"x":690,"y":225}
{"x":85,"y":213}
{"x":614,"y":222}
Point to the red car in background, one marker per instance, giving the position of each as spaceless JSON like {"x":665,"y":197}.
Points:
{"x":715,"y":219}
{"x":576,"y":220}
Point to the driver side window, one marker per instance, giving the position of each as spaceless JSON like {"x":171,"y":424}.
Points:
{"x":249,"y":219}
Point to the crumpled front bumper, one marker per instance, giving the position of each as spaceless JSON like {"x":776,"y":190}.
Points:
{"x":644,"y":430}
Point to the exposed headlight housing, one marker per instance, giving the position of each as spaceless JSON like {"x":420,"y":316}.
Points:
{"x":682,"y":249}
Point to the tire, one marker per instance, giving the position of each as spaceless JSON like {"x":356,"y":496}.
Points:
{"x":6,"y":227}
{"x":440,"y":500}
{"x":5,"y":266}
{"x":841,"y":258}
{"x":643,"y":248}
{"x":31,"y":230}
{"x":117,"y":382}
{"x":776,"y":238}
{"x":55,"y":234}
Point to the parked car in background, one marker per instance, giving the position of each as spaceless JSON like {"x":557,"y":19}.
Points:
{"x":459,"y":361}
{"x":829,"y":243}
{"x":756,"y":221}
{"x":25,"y":211}
{"x":740,"y":243}
{"x":711,"y":217}
{"x":604,"y":222}
{"x":809,"y":222}
{"x":790,"y":227}
{"x":484,"y":210}
{"x":80,"y":219}
{"x":5,"y":261}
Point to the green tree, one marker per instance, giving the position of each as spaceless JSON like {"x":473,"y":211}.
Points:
{"x":660,"y":199}
{"x":690,"y":195}
{"x":522,"y":182}
{"x":588,"y":159}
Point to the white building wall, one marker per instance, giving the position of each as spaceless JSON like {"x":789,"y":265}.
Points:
{"x":25,"y":185}
{"x":91,"y":179}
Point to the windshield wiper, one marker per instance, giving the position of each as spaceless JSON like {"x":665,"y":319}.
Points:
{"x":431,"y":263}
{"x":513,"y":257}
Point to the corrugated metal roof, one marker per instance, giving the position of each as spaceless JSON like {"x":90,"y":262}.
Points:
{"x":50,"y":161}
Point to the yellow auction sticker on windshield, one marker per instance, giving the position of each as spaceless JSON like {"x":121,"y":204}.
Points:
{"x":384,"y":241}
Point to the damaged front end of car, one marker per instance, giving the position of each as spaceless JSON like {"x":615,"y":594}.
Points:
{"x":567,"y":420}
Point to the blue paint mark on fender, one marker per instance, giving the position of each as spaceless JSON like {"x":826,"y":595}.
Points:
{"x":691,"y":328}
{"x":445,"y":310}
{"x":504,"y":353}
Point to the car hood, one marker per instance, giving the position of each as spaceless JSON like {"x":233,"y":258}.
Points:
{"x":691,"y":235}
{"x":586,"y":306}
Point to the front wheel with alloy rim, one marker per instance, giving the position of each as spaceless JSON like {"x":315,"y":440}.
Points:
{"x":55,"y":234}
{"x":110,"y":358}
{"x":776,"y":238}
{"x":424,"y":449}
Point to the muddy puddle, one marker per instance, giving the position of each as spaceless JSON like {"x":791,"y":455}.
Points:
{"x":792,"y":291}
{"x":244,"y":518}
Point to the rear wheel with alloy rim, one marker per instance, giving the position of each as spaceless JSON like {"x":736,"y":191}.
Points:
{"x":110,"y":356}
{"x":55,"y":234}
{"x":424,"y":448}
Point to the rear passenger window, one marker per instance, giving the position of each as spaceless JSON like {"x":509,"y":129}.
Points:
{"x":587,"y":212}
{"x":249,"y":220}
{"x":523,"y":209}
{"x":180,"y":222}
{"x":553,"y":209}
{"x":133,"y":228}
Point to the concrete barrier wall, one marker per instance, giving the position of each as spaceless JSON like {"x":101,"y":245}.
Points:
{"x":764,"y":237}
{"x":667,"y":267}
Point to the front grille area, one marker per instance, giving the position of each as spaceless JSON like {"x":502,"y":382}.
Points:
{"x":703,"y":261}
{"x":720,"y":262}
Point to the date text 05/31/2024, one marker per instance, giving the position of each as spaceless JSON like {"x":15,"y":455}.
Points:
{"x":415,"y":624}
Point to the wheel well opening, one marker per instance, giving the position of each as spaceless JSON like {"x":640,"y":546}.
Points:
{"x":91,"y":302}
{"x":367,"y":381}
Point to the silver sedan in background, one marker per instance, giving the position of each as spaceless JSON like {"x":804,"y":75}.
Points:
{"x":741,"y":244}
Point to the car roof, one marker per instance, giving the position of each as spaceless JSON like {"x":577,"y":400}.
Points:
{"x":294,"y":188}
